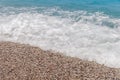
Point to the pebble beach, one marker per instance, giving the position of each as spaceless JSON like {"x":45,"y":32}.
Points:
{"x":26,"y":62}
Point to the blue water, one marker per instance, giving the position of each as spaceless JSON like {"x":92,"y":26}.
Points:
{"x":110,"y":7}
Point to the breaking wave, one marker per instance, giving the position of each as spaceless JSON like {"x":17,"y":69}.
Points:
{"x":91,"y":36}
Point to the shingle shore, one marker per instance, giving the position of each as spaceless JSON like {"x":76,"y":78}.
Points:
{"x":25,"y":62}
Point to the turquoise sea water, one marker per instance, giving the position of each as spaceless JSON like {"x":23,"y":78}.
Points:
{"x":87,"y":29}
{"x":110,"y":7}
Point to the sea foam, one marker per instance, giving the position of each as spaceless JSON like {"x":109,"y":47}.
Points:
{"x":90,"y":36}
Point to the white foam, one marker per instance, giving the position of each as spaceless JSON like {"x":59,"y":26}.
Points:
{"x":77,"y":34}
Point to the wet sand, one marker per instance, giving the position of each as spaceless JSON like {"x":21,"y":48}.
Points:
{"x":25,"y":62}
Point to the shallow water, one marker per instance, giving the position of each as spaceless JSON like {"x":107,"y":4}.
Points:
{"x":84,"y":29}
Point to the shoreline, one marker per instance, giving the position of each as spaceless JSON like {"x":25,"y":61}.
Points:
{"x":25,"y":62}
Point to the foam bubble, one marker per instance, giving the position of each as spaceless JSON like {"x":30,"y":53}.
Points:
{"x":95,"y":37}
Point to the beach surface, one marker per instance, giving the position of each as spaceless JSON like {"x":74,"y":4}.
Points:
{"x":25,"y":62}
